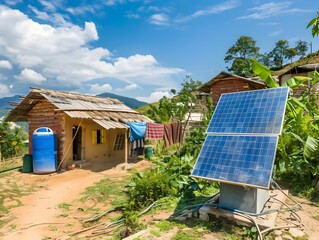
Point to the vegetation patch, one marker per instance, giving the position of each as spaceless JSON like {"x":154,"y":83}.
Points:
{"x":12,"y":191}
{"x":108,"y":189}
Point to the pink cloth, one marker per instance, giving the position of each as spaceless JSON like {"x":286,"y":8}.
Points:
{"x":154,"y":130}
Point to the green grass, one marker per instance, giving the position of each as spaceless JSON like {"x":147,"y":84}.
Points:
{"x":11,"y":193}
{"x":165,"y":226}
{"x":64,"y":206}
{"x":106,"y":189}
{"x":10,"y":163}
{"x":187,"y":235}
{"x":316,"y":217}
{"x":155,"y":232}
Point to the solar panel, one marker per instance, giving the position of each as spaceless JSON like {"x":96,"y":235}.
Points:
{"x":250,"y":112}
{"x":243,"y":160}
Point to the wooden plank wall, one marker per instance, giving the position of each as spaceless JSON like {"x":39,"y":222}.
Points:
{"x":228,"y":85}
{"x":43,"y":114}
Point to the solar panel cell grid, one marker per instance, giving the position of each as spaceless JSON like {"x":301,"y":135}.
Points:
{"x":253,"y":112}
{"x":246,"y":160}
{"x":242,"y":138}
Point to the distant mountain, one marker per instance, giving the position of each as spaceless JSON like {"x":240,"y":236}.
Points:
{"x":4,"y":105}
{"x":130,"y":102}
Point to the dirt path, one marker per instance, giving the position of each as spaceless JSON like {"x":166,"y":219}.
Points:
{"x":38,"y":217}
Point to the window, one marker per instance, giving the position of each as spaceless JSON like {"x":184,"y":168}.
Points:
{"x":119,"y":142}
{"x":99,"y":136}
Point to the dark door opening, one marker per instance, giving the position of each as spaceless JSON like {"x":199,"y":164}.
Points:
{"x":77,"y":142}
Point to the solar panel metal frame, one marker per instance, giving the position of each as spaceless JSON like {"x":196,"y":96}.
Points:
{"x":245,"y":117}
{"x":224,"y":158}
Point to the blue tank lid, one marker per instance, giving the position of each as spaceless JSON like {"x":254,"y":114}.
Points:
{"x":43,"y":131}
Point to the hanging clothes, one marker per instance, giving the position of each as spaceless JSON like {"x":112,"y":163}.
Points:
{"x":137,"y":147}
{"x":173,"y":133}
{"x":154,"y":131}
{"x":137,"y":130}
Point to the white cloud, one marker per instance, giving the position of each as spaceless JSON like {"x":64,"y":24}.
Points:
{"x":97,"y":89}
{"x":31,"y":76}
{"x":12,"y":2}
{"x":128,"y":87}
{"x":275,"y":33}
{"x":64,"y":54}
{"x":55,"y":18}
{"x":154,"y":97}
{"x":4,"y":90}
{"x":216,"y":9}
{"x":5,"y":64}
{"x":272,"y":9}
{"x":159,"y":19}
{"x":49,"y":5}
{"x":154,"y":9}
{"x":2,"y":77}
{"x":133,"y":15}
{"x":81,"y":10}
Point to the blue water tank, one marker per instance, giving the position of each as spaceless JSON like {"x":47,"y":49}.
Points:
{"x":44,"y":150}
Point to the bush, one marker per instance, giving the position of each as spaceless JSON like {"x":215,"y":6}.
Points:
{"x":144,"y":189}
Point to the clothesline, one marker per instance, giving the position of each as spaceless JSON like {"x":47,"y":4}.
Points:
{"x":170,"y":132}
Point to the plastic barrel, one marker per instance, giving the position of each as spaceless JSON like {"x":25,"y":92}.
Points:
{"x":44,"y":149}
{"x":148,"y":152}
{"x":27,"y":163}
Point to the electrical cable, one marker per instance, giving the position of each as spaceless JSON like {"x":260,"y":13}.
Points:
{"x":276,"y":184}
{"x":298,"y":218}
{"x":248,"y":215}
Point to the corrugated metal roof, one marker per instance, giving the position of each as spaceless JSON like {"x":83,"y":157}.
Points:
{"x":78,"y":106}
{"x":207,"y":86}
{"x":110,"y":124}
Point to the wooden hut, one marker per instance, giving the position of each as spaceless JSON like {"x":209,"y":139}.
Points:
{"x":88,"y":128}
{"x":226,"y":83}
{"x":302,"y":70}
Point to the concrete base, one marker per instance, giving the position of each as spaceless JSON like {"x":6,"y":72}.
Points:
{"x":242,"y":198}
{"x":263,"y":221}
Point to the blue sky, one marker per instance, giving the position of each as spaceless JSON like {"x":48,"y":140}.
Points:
{"x":135,"y":48}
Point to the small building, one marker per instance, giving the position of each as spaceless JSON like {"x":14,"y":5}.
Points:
{"x":302,"y":70}
{"x":226,"y":83}
{"x":87,"y":127}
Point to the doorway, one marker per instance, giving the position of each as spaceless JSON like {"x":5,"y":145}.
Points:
{"x":77,"y":143}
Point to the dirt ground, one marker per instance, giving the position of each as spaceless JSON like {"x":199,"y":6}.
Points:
{"x":38,"y":216}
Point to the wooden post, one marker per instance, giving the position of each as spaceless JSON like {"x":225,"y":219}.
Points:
{"x":126,"y":146}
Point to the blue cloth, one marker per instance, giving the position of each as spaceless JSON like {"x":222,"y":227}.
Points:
{"x":137,"y":130}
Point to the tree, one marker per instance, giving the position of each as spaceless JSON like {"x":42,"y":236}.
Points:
{"x":11,"y":141}
{"x":301,"y":48}
{"x":291,"y":53}
{"x":175,"y":109}
{"x":265,"y":59}
{"x":240,"y":54}
{"x":279,"y":53}
{"x":314,"y":23}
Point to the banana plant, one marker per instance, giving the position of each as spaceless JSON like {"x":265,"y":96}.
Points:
{"x":298,"y":146}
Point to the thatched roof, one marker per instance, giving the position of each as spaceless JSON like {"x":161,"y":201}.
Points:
{"x":301,"y":69}
{"x":110,"y":112}
{"x":223,"y":75}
